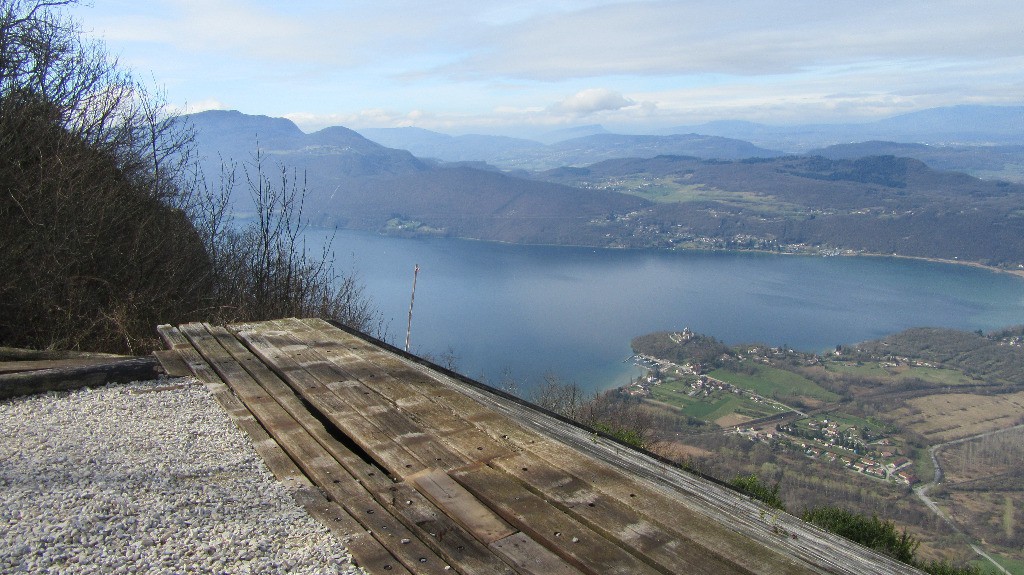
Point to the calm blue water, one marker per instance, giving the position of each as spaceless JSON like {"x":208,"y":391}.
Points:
{"x":526,"y":311}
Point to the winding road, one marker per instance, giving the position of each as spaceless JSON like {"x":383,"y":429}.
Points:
{"x":922,"y":491}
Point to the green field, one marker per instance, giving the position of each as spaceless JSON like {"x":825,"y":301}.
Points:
{"x":669,"y":189}
{"x":1012,"y":565}
{"x":719,"y":404}
{"x":773,"y":382}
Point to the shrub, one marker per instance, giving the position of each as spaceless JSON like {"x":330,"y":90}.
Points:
{"x":868,"y":531}
{"x":102,"y":235}
{"x":752,"y":486}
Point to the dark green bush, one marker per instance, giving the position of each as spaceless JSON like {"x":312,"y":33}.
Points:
{"x":752,"y":486}
{"x":868,"y":531}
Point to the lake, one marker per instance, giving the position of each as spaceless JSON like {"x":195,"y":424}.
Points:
{"x":527,"y":311}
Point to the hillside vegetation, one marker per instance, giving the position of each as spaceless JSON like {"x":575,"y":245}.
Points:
{"x":994,"y":356}
{"x":857,"y":425}
{"x":105,"y":231}
{"x":721,"y":194}
{"x":880,"y":204}
{"x":988,"y":162}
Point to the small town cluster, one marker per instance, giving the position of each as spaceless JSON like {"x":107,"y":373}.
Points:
{"x":701,"y":385}
{"x":862,"y":450}
{"x":832,"y":442}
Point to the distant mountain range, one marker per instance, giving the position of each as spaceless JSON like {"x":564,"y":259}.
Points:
{"x":353,"y":182}
{"x":988,"y":162}
{"x":954,"y":125}
{"x":520,"y":154}
{"x":335,"y":152}
{"x":614,"y":190}
{"x":984,"y":141}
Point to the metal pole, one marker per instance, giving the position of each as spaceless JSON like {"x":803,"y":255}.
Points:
{"x":412,"y":300}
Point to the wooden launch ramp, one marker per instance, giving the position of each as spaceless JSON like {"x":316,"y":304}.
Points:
{"x":419,"y":470}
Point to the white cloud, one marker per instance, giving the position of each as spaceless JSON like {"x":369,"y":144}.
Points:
{"x":368,"y":118}
{"x":478,"y":63}
{"x":740,"y":37}
{"x":201,"y":106}
{"x":592,"y":100}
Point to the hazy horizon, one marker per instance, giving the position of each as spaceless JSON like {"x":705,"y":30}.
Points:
{"x":565,"y":132}
{"x":498,"y":67}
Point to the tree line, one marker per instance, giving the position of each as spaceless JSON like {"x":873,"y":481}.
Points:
{"x":629,"y":421}
{"x":107,"y":227}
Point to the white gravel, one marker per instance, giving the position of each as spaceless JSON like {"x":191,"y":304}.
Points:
{"x":139,"y":478}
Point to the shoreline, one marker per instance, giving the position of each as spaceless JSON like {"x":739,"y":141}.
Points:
{"x":815,"y":253}
{"x":1018,"y":272}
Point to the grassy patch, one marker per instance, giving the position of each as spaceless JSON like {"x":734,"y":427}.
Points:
{"x":1014,"y":566}
{"x":846,"y":420}
{"x":671,"y":190}
{"x":774,"y":382}
{"x":710,"y":408}
{"x":923,"y":467}
{"x":949,"y":377}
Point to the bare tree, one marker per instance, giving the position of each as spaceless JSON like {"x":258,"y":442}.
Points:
{"x":566,"y":399}
{"x":264,"y":269}
{"x":103,"y":231}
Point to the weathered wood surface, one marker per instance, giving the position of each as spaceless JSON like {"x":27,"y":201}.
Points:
{"x":360,"y":543}
{"x":63,"y":378}
{"x":22,"y":354}
{"x":314,"y":460}
{"x":427,"y":472}
{"x":38,"y":364}
{"x":172,"y":363}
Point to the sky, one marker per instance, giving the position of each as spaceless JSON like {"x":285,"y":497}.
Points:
{"x":633,"y":66}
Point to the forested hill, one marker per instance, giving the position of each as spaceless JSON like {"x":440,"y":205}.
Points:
{"x":876,"y":204}
{"x":356,"y":183}
{"x":999,"y":355}
{"x":989,"y":162}
{"x":577,"y":150}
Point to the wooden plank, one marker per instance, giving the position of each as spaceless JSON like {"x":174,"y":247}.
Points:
{"x":453,"y":543}
{"x":172,"y":363}
{"x":366,"y":417}
{"x":379,"y":443}
{"x":366,"y":473}
{"x":460,"y":505}
{"x":671,"y":549}
{"x":546,"y":524}
{"x":315,"y":461}
{"x":672,"y":509}
{"x":404,"y":388}
{"x":37,"y":364}
{"x":22,"y":354}
{"x":426,"y":382}
{"x":418,"y":440}
{"x":414,"y":393}
{"x":416,"y":512}
{"x":66,"y":379}
{"x":366,"y":551}
{"x":530,"y":557}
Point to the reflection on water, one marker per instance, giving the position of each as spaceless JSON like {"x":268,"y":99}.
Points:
{"x":532,"y":310}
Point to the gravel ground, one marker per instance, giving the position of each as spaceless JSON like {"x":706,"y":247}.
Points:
{"x":139,"y":478}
